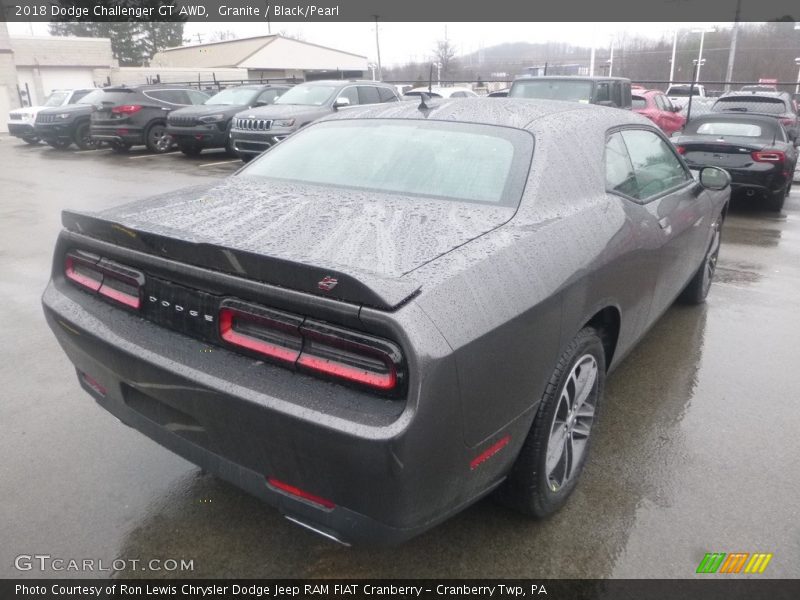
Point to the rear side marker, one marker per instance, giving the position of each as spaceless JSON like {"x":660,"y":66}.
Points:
{"x":489,"y":453}
{"x":297,"y":492}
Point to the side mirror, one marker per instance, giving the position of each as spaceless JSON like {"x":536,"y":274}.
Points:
{"x":341,"y":102}
{"x":714,"y":178}
{"x":260,"y":103}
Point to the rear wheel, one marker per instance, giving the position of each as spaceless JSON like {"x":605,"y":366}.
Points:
{"x":190,"y":149}
{"x":776,"y":200}
{"x":554,"y":453}
{"x":697,"y":289}
{"x":31,"y":140}
{"x":59,"y":143}
{"x":246,"y":157}
{"x":157,"y":139}
{"x":83,"y":139}
{"x":120,"y":147}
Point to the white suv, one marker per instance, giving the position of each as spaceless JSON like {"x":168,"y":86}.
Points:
{"x":21,"y":120}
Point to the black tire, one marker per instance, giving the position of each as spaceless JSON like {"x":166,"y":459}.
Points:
{"x":246,"y":157}
{"x":120,"y":147}
{"x":191,"y":149}
{"x":59,"y":143}
{"x":533,"y":486}
{"x":698,"y":287}
{"x":82,"y":138}
{"x":157,"y":140}
{"x":32,"y":140}
{"x":776,"y":200}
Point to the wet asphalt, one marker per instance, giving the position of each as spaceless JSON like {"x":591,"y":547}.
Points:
{"x":696,"y":450}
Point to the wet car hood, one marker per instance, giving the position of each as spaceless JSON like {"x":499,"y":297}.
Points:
{"x":386,"y":235}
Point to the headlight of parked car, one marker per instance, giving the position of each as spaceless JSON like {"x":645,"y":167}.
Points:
{"x":283,"y":123}
{"x":212,"y":118}
{"x":63,"y":115}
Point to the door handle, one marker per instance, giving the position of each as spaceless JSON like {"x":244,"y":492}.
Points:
{"x":663,"y":223}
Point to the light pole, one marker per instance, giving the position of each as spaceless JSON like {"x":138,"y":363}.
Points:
{"x":378,"y":48}
{"x":672,"y":62}
{"x":797,"y":87}
{"x":702,"y":33}
{"x":611,"y":60}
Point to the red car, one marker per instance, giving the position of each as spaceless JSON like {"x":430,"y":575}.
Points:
{"x":655,"y":105}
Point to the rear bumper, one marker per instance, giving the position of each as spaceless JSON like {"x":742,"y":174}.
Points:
{"x":122,"y":134}
{"x":208,"y":136}
{"x":393,"y":469}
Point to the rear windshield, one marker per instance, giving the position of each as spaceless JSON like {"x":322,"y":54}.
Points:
{"x":552,"y":89}
{"x":729,"y":128}
{"x":308,"y":95}
{"x":233,"y":97}
{"x":757,"y":104}
{"x":92,"y":97}
{"x":118,"y":96}
{"x":682,"y":91}
{"x":638,"y":102}
{"x":451,"y":161}
{"x":430,"y":94}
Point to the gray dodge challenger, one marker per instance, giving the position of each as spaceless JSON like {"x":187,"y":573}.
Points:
{"x":394,"y":312}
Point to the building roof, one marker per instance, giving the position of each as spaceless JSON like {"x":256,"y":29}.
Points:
{"x":56,"y":51}
{"x":261,"y":52}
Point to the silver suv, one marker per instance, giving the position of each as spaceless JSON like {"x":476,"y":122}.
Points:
{"x":255,"y":130}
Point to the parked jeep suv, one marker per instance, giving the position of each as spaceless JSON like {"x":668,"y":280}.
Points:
{"x":606,"y":91}
{"x":135,"y":116}
{"x":208,"y":125}
{"x":62,"y":126}
{"x":21,"y":120}
{"x":253,"y":131}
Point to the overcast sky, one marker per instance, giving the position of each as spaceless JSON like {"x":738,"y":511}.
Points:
{"x":405,"y":42}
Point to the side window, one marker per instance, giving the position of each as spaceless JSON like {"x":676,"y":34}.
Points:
{"x":269,"y":96}
{"x":660,"y":103}
{"x":619,"y":170}
{"x":196,"y":97}
{"x":351,"y":93}
{"x":655,"y":164}
{"x":617,"y":93}
{"x":387,"y":95}
{"x":602,"y":93}
{"x":177,"y":97}
{"x":368,"y":94}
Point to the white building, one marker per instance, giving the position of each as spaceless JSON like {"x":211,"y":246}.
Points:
{"x":267,"y":56}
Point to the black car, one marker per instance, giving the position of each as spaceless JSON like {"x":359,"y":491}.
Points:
{"x":779,"y":105}
{"x":410,"y":307}
{"x":66,"y":125}
{"x":754,"y":149}
{"x":255,"y":130}
{"x":208,"y":125}
{"x":605,"y":91}
{"x":135,"y":116}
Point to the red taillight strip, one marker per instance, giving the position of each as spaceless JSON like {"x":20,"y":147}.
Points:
{"x":681,"y":149}
{"x":227,"y":333}
{"x":87,"y":282}
{"x":489,"y":452}
{"x":120,"y":296}
{"x":294,"y":491}
{"x":127,"y":109}
{"x":774,"y":156}
{"x":382,"y":381}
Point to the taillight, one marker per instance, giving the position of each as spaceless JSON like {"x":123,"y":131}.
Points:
{"x":312,"y":346}
{"x":351,"y":356}
{"x":787,"y":121}
{"x":297,"y":492}
{"x":681,"y":149}
{"x":112,"y":280}
{"x":771,"y":156}
{"x":126,"y":109}
{"x":267,"y":332}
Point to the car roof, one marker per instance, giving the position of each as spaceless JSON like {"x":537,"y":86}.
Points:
{"x":520,"y":113}
{"x":570,"y":78}
{"x":756,"y":93}
{"x":745,"y":117}
{"x":347,"y":82}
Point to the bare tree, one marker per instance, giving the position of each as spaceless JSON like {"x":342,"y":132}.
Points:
{"x":445,"y":55}
{"x":222,"y":36}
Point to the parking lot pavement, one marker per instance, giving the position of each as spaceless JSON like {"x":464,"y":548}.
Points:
{"x":695,"y":451}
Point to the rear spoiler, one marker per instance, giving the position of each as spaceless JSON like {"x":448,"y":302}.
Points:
{"x":355,"y":287}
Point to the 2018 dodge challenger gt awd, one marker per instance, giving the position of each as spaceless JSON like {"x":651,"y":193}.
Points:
{"x":409,"y":306}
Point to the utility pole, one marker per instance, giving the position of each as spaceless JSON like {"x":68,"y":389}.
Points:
{"x":672,"y":62}
{"x":378,"y":48}
{"x":732,"y":53}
